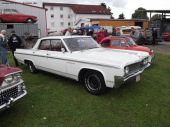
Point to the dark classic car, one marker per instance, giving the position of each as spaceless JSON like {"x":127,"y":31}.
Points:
{"x":13,"y":16}
{"x":12,"y":86}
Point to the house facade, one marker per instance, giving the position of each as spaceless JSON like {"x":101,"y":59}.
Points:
{"x":61,"y":16}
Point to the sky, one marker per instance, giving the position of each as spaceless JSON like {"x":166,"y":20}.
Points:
{"x":127,"y":7}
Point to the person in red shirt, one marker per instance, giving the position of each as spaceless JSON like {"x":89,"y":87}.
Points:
{"x":100,"y":35}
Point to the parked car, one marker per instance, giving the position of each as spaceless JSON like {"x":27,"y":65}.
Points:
{"x":125,"y":30}
{"x":125,"y":43}
{"x":12,"y":86}
{"x":166,"y":34}
{"x":81,"y":58}
{"x":13,"y":16}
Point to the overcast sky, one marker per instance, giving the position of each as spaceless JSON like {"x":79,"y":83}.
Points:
{"x":118,"y":6}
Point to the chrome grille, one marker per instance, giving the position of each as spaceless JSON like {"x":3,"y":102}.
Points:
{"x":9,"y":93}
{"x":136,"y":67}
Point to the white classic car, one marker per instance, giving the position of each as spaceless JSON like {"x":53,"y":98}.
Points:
{"x":82,"y":59}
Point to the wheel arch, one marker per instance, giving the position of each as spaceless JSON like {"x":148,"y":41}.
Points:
{"x":84,"y":70}
{"x":26,"y":61}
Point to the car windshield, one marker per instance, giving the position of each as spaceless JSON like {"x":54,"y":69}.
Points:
{"x":81,"y":43}
{"x":131,"y":42}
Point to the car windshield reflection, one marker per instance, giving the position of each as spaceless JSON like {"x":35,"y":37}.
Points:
{"x":131,"y":42}
{"x":81,"y":43}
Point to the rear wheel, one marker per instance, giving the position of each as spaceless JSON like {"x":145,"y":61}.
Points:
{"x":32,"y":67}
{"x":94,"y":82}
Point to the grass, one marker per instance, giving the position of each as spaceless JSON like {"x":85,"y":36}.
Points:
{"x":53,"y":101}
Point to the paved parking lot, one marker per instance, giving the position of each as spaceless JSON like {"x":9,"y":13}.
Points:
{"x":162,"y":47}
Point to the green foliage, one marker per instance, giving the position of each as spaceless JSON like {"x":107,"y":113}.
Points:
{"x":121,"y":16}
{"x":156,"y":17}
{"x":54,"y":101}
{"x":140,"y":14}
{"x":104,"y":5}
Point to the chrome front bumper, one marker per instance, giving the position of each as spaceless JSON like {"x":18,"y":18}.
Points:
{"x":10,"y":100}
{"x":119,"y":80}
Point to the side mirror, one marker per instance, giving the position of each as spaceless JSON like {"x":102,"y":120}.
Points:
{"x":63,"y":50}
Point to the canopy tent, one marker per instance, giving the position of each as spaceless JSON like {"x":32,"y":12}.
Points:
{"x":90,"y":27}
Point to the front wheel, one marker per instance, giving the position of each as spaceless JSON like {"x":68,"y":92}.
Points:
{"x":94,"y":82}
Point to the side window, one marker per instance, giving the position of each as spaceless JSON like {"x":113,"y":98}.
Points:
{"x":7,"y":11}
{"x":123,"y":43}
{"x":105,"y":43}
{"x":115,"y":42}
{"x":44,"y":45}
{"x":56,"y":45}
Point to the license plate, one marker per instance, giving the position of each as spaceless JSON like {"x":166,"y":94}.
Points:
{"x":137,"y":78}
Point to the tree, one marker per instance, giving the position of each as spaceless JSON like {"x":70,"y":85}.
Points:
{"x":108,"y":8}
{"x":121,"y":16}
{"x":104,"y":5}
{"x":140,"y":13}
{"x":156,"y":17}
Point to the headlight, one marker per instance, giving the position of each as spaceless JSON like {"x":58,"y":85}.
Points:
{"x":13,"y":78}
{"x":17,"y":76}
{"x":145,"y":61}
{"x":126,"y":70}
{"x":9,"y":79}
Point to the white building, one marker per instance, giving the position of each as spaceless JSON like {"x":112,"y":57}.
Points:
{"x":61,"y":16}
{"x":39,"y":12}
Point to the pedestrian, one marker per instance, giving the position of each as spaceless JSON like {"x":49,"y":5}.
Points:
{"x":100,"y":35}
{"x":68,"y":32}
{"x":14,"y":42}
{"x":3,"y":45}
{"x":154,"y":35}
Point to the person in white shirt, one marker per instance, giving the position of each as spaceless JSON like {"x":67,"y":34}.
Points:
{"x":68,"y":32}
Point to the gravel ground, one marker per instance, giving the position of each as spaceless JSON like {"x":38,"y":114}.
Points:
{"x":161,"y":47}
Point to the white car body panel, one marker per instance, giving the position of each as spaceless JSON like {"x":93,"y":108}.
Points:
{"x":108,"y":62}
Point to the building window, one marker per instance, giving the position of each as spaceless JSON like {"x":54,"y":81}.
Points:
{"x":61,"y":8}
{"x":69,"y":23}
{"x":51,"y":8}
{"x":62,"y":23}
{"x":52,"y":16}
{"x":52,"y":24}
{"x":69,"y":16}
{"x":61,"y":16}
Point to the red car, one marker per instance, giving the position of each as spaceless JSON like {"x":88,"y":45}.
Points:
{"x":13,"y":16}
{"x":12,"y":86}
{"x":166,"y":34}
{"x":125,"y":43}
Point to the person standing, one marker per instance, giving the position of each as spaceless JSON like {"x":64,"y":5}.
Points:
{"x":3,"y":45}
{"x":100,"y":35}
{"x":154,"y":35}
{"x":14,"y":42}
{"x":68,"y":32}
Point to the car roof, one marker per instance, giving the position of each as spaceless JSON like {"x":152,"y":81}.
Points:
{"x":63,"y":37}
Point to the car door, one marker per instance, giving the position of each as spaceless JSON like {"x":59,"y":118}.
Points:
{"x":6,"y":16}
{"x":56,"y":59}
{"x":40,"y":54}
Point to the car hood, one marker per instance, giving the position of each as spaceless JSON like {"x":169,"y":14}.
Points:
{"x":5,"y":70}
{"x":140,"y":48}
{"x":109,"y":57}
